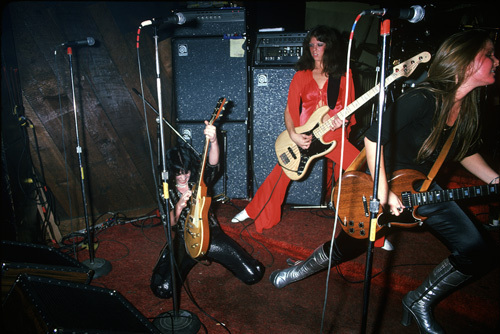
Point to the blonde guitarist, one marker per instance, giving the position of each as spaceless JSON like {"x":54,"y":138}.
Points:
{"x":183,"y":165}
{"x":415,"y":130}
{"x":320,"y":81}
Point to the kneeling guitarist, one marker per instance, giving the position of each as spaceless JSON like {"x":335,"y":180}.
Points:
{"x":188,"y":213}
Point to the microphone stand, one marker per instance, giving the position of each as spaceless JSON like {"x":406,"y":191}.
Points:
{"x":166,"y":122}
{"x":385,"y":28}
{"x":100,"y":267}
{"x":175,"y":321}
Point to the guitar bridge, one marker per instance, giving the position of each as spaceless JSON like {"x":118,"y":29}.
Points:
{"x":406,"y":200}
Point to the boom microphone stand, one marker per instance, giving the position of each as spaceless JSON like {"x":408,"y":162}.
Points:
{"x":385,"y":28}
{"x":100,"y":267}
{"x":166,"y":122}
{"x":175,"y":321}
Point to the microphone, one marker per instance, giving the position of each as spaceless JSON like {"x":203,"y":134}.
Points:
{"x":84,"y":42}
{"x":413,"y":14}
{"x":177,"y":18}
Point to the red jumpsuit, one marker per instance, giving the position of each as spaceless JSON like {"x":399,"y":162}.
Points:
{"x":265,"y":207}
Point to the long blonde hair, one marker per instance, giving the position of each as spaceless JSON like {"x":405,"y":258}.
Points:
{"x":447,"y":73}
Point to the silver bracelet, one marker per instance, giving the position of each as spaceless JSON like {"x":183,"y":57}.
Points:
{"x":496,"y":178}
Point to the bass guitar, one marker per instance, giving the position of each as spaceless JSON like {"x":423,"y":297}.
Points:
{"x":295,"y":161}
{"x":357,"y":189}
{"x":196,"y":230}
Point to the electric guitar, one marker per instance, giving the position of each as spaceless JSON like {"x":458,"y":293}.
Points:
{"x":354,"y":215}
{"x":295,"y":160}
{"x":196,"y":229}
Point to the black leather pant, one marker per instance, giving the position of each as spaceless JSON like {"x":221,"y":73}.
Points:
{"x":473,"y":250}
{"x":222,"y":250}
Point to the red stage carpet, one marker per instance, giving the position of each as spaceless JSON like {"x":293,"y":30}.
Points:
{"x":217,"y":296}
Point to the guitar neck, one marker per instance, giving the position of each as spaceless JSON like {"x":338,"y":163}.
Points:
{"x":351,"y":108}
{"x":438,"y":196}
{"x":203,"y":163}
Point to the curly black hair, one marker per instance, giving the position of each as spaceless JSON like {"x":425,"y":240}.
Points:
{"x":181,"y":159}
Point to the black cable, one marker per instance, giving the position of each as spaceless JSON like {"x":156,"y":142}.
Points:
{"x":193,"y":300}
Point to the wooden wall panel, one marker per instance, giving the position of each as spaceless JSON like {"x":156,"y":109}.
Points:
{"x":112,"y":130}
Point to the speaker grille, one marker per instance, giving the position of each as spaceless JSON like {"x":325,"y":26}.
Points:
{"x":236,"y":159}
{"x":269,"y":97}
{"x":51,"y":305}
{"x":205,"y":69}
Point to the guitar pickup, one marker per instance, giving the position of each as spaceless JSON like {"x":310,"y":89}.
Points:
{"x":284,"y":159}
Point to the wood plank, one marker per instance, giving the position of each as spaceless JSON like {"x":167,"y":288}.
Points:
{"x":113,"y":179}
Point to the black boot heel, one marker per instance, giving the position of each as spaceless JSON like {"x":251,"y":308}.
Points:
{"x":407,"y":316}
{"x":419,"y":303}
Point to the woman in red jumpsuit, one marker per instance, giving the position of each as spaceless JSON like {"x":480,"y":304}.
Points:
{"x":323,"y":62}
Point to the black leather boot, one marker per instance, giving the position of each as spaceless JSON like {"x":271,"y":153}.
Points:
{"x":317,"y":261}
{"x":419,"y":303}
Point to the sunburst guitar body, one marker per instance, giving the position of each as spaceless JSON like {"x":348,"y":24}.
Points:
{"x":357,"y":190}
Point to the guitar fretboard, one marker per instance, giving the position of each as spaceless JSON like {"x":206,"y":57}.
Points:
{"x":403,"y":69}
{"x":438,"y":196}
{"x":351,"y":108}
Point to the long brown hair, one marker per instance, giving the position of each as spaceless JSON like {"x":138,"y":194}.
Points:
{"x":334,"y":62}
{"x":447,"y":73}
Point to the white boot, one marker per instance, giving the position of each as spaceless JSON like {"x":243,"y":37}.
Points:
{"x":387,"y":246}
{"x":240,"y":217}
{"x":317,"y":261}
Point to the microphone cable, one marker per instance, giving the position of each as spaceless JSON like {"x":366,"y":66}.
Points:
{"x":339,"y":182}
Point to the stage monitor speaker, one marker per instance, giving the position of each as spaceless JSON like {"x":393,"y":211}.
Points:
{"x":33,"y":259}
{"x":44,"y":305}
{"x":269,"y":97}
{"x":205,"y":69}
{"x":233,"y":144}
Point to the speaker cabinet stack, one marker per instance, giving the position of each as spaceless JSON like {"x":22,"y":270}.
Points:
{"x":272,"y":73}
{"x":45,"y":305}
{"x":209,"y":62}
{"x":41,"y":260}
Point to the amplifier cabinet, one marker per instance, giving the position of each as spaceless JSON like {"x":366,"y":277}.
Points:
{"x":23,"y":258}
{"x":217,"y":22}
{"x":269,"y":96}
{"x":278,"y":48}
{"x":44,"y":305}
{"x":205,"y":69}
{"x":234,"y":148}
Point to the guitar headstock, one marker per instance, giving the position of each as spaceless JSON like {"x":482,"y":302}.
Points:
{"x":407,"y":67}
{"x":221,"y":104}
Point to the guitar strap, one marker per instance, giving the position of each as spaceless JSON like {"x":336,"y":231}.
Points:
{"x":332,"y":91}
{"x":439,"y":161}
{"x":359,"y":161}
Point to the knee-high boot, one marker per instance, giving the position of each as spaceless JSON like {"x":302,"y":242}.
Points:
{"x":317,"y":261}
{"x":420,"y":302}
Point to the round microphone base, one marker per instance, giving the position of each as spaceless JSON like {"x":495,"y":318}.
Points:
{"x":184,"y":322}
